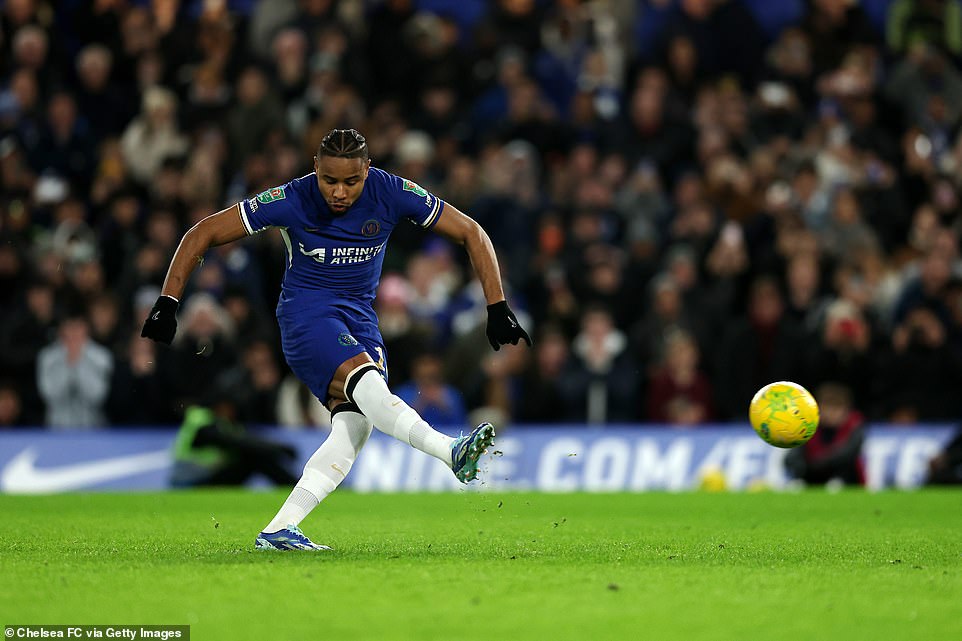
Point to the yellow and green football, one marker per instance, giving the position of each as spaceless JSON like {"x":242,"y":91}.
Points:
{"x":784,"y":414}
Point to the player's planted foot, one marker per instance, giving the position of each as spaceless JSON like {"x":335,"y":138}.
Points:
{"x":290,"y":538}
{"x":467,"y":450}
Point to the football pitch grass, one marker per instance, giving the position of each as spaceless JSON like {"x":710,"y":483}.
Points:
{"x":495,"y":566}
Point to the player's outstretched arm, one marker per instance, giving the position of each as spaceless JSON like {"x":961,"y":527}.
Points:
{"x":503,"y":326}
{"x":217,"y":229}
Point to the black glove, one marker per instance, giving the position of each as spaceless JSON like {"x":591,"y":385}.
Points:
{"x":161,"y":323}
{"x":503,"y":327}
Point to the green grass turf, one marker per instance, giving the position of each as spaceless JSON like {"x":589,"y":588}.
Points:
{"x":495,"y":566}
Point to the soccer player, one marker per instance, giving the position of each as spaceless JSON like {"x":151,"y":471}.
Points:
{"x":335,"y":223}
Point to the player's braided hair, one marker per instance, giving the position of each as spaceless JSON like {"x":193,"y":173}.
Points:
{"x":343,"y":143}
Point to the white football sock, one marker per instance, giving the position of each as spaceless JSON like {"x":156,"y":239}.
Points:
{"x":326,"y":468}
{"x":366,"y":389}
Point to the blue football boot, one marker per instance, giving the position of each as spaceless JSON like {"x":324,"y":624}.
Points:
{"x":467,"y":450}
{"x":290,"y":538}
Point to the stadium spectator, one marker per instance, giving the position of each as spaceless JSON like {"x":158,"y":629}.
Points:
{"x":764,"y":346}
{"x":138,"y":395}
{"x":650,"y":133}
{"x":65,"y":147}
{"x":404,"y":337}
{"x":846,"y":232}
{"x":835,"y":27}
{"x":665,"y":313}
{"x":500,"y":384}
{"x":73,"y":376}
{"x":602,"y":382}
{"x":431,"y":287}
{"x":437,"y":402}
{"x":515,"y":23}
{"x":103,"y":316}
{"x":725,"y":36}
{"x":834,"y":452}
{"x":297,"y":408}
{"x":153,"y":136}
{"x":30,"y":49}
{"x":104,"y":106}
{"x":925,"y":81}
{"x":204,"y":348}
{"x":255,"y":114}
{"x":28,"y":327}
{"x":100,"y":23}
{"x":846,"y":353}
{"x":921,"y":375}
{"x":726,"y":268}
{"x":290,"y":64}
{"x":804,"y":298}
{"x":540,"y":399}
{"x":208,"y":98}
{"x":485,"y":380}
{"x":927,"y":288}
{"x":249,"y":320}
{"x":253,"y":384}
{"x":679,"y":392}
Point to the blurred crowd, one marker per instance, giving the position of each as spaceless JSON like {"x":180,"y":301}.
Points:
{"x":689,"y":198}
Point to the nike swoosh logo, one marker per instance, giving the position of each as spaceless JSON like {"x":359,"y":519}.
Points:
{"x":155,"y":316}
{"x":313,"y":230}
{"x":22,"y":476}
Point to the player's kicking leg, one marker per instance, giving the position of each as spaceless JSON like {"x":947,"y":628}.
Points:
{"x":364,"y":386}
{"x":326,"y":468}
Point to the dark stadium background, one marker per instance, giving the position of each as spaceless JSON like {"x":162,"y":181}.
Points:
{"x":690,"y":199}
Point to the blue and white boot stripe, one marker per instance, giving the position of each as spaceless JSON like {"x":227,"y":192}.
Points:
{"x":290,"y":538}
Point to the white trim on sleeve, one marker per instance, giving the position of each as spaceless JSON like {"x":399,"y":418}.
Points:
{"x":242,"y":206}
{"x":438,"y":205}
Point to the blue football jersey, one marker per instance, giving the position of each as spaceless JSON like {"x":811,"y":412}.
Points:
{"x":332,"y":256}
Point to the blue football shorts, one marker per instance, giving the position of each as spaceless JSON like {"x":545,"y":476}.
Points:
{"x":316,"y":343}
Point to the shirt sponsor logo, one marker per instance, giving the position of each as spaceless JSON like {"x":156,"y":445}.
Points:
{"x":252,"y":204}
{"x":342,"y":255}
{"x":415,"y":188}
{"x":269,"y":196}
{"x":316,"y":254}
